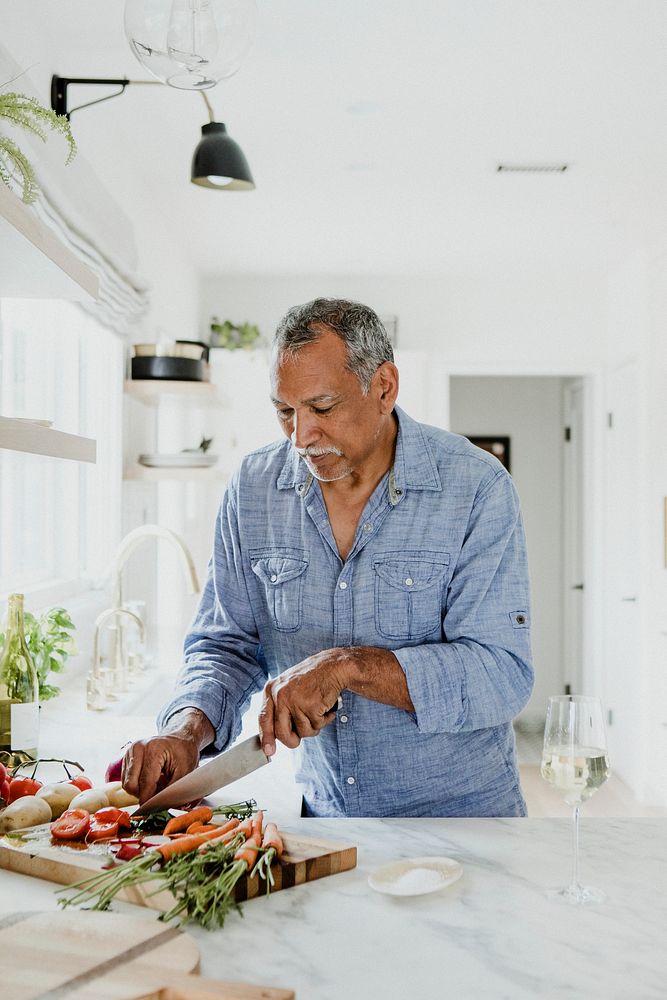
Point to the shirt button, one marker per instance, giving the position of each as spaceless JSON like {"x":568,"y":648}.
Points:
{"x":273,"y":578}
{"x":342,"y":585}
{"x":344,"y":718}
{"x":368,"y":526}
{"x":350,"y":780}
{"x":409,"y":581}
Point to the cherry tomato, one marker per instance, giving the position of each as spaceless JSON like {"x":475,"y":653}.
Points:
{"x":110,"y":814}
{"x":82,"y":782}
{"x":4,"y":790}
{"x":102,"y":831}
{"x":72,"y":825}
{"x":3,"y":773}
{"x":18,"y":787}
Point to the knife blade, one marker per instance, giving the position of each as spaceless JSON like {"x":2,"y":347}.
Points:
{"x":242,"y":759}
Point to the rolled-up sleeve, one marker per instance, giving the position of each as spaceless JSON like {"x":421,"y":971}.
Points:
{"x":222,"y":667}
{"x":482,"y":674}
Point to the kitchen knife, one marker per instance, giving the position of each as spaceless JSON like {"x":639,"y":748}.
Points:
{"x":242,"y":759}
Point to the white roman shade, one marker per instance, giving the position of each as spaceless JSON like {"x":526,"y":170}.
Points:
{"x":78,"y":207}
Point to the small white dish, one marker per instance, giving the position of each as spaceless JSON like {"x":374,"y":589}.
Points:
{"x":415,"y":876}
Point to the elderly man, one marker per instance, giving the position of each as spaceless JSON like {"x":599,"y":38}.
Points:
{"x":369,"y":573}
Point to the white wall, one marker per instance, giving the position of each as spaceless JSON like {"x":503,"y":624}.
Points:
{"x":652,"y":521}
{"x":540,"y":324}
{"x":529,"y":411}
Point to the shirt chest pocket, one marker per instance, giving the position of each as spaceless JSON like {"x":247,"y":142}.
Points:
{"x":408,"y":593}
{"x":281,"y":571}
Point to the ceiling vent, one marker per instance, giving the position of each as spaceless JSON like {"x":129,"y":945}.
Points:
{"x":532,"y":168}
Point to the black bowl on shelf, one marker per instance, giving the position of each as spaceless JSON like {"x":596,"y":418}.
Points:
{"x":177,"y":369}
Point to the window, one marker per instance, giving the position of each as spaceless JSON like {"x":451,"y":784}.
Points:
{"x":59,"y":520}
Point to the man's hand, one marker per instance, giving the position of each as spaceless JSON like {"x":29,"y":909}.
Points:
{"x":302,"y":700}
{"x":151,"y":764}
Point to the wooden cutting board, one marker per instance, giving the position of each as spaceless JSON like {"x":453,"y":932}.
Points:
{"x":108,"y":956}
{"x":304,"y":860}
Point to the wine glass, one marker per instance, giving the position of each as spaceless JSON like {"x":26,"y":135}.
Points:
{"x":575,"y":763}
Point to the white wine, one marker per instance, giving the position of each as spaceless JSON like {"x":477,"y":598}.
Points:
{"x":19,"y":688}
{"x":576,"y":772}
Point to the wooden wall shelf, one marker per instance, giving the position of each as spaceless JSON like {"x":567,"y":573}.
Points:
{"x":34,"y":262}
{"x":151,"y":390}
{"x":35,"y":439}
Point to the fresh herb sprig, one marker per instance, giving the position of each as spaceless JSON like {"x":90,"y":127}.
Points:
{"x":154,"y":822}
{"x":237,"y":810}
{"x":50,"y":642}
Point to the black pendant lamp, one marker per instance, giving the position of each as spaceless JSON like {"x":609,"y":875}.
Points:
{"x":219,"y":162}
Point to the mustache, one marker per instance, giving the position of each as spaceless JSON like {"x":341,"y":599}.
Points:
{"x":305,"y":452}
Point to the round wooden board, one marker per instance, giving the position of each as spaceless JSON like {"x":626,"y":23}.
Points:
{"x":89,"y":955}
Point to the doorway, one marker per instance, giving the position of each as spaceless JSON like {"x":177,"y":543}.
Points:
{"x":544,"y":418}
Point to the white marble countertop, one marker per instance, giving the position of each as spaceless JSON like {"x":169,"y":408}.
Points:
{"x":493,"y":934}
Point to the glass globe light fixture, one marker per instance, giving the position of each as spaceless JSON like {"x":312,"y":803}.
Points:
{"x":190,"y":44}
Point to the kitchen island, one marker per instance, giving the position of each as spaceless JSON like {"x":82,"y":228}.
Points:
{"x":493,"y":934}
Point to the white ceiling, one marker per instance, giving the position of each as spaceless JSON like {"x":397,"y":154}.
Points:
{"x":373,"y":129}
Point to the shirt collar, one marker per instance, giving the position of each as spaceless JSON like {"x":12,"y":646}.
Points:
{"x":414,"y":467}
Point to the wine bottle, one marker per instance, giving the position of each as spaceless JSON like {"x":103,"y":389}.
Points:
{"x":19,"y":688}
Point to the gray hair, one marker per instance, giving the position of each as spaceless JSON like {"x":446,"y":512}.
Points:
{"x":368,"y":345}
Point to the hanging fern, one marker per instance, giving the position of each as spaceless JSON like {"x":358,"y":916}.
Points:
{"x":27,"y":113}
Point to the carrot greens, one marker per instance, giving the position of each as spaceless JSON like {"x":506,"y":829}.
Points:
{"x":200,"y":870}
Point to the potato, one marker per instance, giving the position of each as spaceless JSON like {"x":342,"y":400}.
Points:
{"x":58,"y":796}
{"x":91,"y":800}
{"x":26,"y":811}
{"x":117,"y":795}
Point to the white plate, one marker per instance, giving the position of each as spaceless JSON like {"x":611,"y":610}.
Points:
{"x":415,"y":876}
{"x":182,"y":459}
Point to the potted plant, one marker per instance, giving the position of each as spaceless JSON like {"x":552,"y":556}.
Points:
{"x":51,"y":642}
{"x":233,"y":335}
{"x":27,"y":113}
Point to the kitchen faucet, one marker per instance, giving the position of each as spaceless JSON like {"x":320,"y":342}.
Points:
{"x":117,"y":651}
{"x":102,"y":684}
{"x":132,"y":541}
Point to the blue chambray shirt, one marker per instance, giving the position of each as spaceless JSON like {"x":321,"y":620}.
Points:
{"x":437,"y":573}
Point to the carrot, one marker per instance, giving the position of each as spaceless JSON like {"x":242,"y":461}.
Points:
{"x":229,"y":825}
{"x":201,"y":815}
{"x":257,"y":823}
{"x":206,"y":828}
{"x":181,"y":845}
{"x":272,"y":839}
{"x":247,"y":852}
{"x":222,"y":838}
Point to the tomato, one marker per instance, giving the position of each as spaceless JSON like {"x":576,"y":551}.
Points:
{"x":112,"y":815}
{"x":72,"y":825}
{"x":102,"y":831}
{"x":18,"y":787}
{"x":4,"y":790}
{"x":82,"y":782}
{"x":3,"y":773}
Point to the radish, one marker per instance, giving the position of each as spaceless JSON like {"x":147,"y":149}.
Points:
{"x":114,"y":770}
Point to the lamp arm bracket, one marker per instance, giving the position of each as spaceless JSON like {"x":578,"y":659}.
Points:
{"x":59,"y":85}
